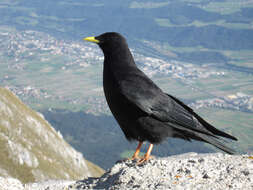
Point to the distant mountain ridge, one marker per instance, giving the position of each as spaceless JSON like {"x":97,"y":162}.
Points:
{"x":31,"y":150}
{"x":173,"y":21}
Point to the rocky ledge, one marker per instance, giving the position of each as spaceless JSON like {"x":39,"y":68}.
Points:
{"x":186,"y":171}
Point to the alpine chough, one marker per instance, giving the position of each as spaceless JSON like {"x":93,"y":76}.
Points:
{"x":143,"y":111}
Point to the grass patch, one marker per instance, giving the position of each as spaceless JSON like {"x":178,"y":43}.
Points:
{"x":179,"y":89}
{"x":9,"y":2}
{"x":243,"y":64}
{"x":73,"y":3}
{"x":227,"y":7}
{"x":165,"y":22}
{"x":14,"y":169}
{"x":231,"y":83}
{"x":192,"y":1}
{"x":147,"y":5}
{"x":243,"y":58}
{"x":236,"y":123}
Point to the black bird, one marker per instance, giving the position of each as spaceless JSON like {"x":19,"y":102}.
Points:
{"x":143,"y":111}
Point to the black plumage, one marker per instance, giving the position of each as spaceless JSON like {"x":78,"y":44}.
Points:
{"x":143,"y":111}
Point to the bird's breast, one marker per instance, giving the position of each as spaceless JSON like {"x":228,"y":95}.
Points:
{"x":120,"y":107}
{"x":111,"y":91}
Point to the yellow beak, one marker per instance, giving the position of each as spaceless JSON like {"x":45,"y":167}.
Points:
{"x":91,"y":39}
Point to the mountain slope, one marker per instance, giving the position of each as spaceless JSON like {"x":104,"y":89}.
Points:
{"x":31,"y":150}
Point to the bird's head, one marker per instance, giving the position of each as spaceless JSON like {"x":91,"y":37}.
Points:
{"x":109,"y":42}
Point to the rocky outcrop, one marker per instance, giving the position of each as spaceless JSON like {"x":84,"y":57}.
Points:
{"x":31,"y":150}
{"x":187,"y":171}
{"x":10,"y":184}
{"x":15,"y":184}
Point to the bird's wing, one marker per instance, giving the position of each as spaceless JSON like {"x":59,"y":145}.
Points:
{"x":202,"y":121}
{"x":140,"y":91}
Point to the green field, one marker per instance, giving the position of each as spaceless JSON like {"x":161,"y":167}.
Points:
{"x":231,"y":83}
{"x":228,"y":6}
{"x":75,"y":84}
{"x":147,"y":5}
{"x":165,"y":22}
{"x":179,"y":89}
{"x":243,"y":58}
{"x":239,"y":124}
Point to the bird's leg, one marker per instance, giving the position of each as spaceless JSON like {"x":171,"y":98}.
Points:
{"x":137,"y":151}
{"x":147,"y":155}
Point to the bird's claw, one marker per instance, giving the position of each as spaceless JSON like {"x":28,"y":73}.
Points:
{"x":144,"y":159}
{"x":141,"y":161}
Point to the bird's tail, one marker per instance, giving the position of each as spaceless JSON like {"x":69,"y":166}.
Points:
{"x":216,"y":143}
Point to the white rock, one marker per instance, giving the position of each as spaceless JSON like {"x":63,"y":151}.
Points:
{"x":186,"y":171}
{"x":10,"y":184}
{"x":49,"y":185}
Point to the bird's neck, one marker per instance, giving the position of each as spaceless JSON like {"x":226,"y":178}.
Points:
{"x":119,"y":60}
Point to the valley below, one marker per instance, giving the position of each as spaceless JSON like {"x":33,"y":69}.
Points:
{"x":199,"y":51}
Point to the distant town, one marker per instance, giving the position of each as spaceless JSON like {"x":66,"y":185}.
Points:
{"x":20,"y":47}
{"x":238,"y":101}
